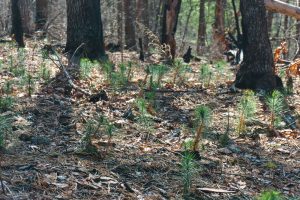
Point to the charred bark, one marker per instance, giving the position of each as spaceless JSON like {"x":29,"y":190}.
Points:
{"x":171,"y":11}
{"x":41,"y":14}
{"x":17,"y":29}
{"x":85,"y":26}
{"x":257,"y":69}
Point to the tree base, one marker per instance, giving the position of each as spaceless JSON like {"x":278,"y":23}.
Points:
{"x":255,"y":81}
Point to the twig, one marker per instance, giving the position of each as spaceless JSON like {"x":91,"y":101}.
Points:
{"x":61,"y":66}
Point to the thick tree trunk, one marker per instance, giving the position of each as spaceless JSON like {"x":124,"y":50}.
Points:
{"x":41,"y":14}
{"x":85,"y":26}
{"x":169,"y":24}
{"x":27,"y":10}
{"x":129,"y":11}
{"x":17,"y":29}
{"x":201,"y":27}
{"x":257,"y":69}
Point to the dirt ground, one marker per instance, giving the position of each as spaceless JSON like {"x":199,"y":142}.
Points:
{"x":43,"y":159}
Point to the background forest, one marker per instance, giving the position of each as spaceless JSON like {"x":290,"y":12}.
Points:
{"x":150,"y":99}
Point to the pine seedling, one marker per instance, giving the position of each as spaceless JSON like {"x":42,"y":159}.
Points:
{"x":220,"y":68}
{"x":89,"y":131}
{"x":205,"y":75}
{"x":108,"y":68}
{"x":202,"y":120}
{"x":188,"y":168}
{"x":157,"y":72}
{"x":6,"y":103}
{"x":247,"y":109}
{"x":5,"y":129}
{"x":270,"y":195}
{"x":86,"y":67}
{"x":179,"y":70}
{"x":7,"y":88}
{"x":44,"y":72}
{"x":275,"y":105}
{"x":142,"y":107}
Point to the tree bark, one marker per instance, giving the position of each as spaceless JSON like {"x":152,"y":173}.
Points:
{"x":130,"y":39}
{"x":201,"y":27}
{"x":169,"y":24}
{"x":143,"y":18}
{"x":41,"y":14}
{"x":257,"y":70}
{"x":27,"y":10}
{"x":17,"y":29}
{"x":283,"y":8}
{"x":219,"y":27}
{"x":85,"y":26}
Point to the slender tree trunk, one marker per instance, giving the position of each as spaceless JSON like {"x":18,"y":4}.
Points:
{"x":169,"y":24}
{"x":158,"y":18}
{"x":219,"y":27}
{"x":41,"y":14}
{"x":85,"y":26}
{"x":143,"y":18}
{"x":17,"y":29}
{"x":186,"y":25}
{"x":120,"y":22}
{"x":130,"y":39}
{"x":257,"y":70}
{"x":201,"y":27}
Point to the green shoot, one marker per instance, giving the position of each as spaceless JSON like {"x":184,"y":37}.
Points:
{"x":5,"y":129}
{"x":86,"y":67}
{"x":202,"y":120}
{"x":205,"y":75}
{"x":247,"y":109}
{"x":6,"y":103}
{"x":270,"y":195}
{"x":44,"y":73}
{"x":188,"y":168}
{"x":275,"y":105}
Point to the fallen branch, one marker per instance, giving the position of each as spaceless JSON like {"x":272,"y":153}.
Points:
{"x":61,"y":66}
{"x":283,"y":8}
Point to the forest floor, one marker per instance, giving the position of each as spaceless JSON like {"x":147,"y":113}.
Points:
{"x":141,"y":159}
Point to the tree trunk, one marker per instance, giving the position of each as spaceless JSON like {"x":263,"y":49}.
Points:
{"x":201,"y":27}
{"x":143,"y":18}
{"x":158,"y":17}
{"x":219,"y":28}
{"x":169,"y":24}
{"x":257,"y":69}
{"x":27,"y":10}
{"x":41,"y":14}
{"x":129,"y":11}
{"x":17,"y":29}
{"x":85,"y":26}
{"x":120,"y":22}
{"x":187,"y":22}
